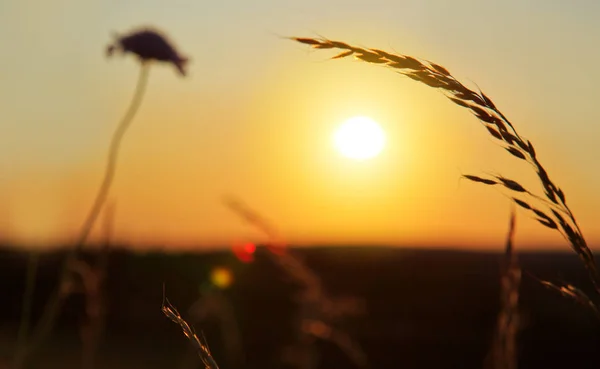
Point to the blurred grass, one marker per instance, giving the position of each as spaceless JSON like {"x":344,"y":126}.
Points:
{"x":427,"y":308}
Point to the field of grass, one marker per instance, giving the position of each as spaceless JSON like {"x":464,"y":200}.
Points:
{"x":422,"y":309}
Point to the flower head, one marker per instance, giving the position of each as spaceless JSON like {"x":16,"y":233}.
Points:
{"x":149,"y":44}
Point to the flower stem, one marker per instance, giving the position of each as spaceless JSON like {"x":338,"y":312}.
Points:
{"x":55,"y":302}
{"x":113,"y":154}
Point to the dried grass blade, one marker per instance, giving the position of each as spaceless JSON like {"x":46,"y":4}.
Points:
{"x":511,"y":184}
{"x":171,"y":312}
{"x":343,"y":55}
{"x":522,"y":203}
{"x":572,"y":292}
{"x":479,"y":179}
{"x":516,"y":152}
{"x":493,"y":132}
{"x":305,"y":40}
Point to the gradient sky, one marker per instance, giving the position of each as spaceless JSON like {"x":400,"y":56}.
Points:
{"x":255,"y":117}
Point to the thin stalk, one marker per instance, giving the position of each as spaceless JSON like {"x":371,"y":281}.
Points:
{"x":59,"y":295}
{"x":113,"y":154}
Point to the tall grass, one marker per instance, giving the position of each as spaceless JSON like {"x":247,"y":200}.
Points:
{"x":503,"y":354}
{"x":72,"y":265}
{"x":550,"y":208}
{"x":148,"y":45}
{"x":92,"y":282}
{"x":198,"y":343}
{"x":214,"y":304}
{"x":319,"y":315}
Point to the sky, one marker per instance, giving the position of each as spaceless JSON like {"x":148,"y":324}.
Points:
{"x":255,"y":117}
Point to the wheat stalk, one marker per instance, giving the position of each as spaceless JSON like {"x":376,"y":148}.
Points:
{"x":199,"y":344}
{"x":556,"y":214}
{"x":571,"y":292}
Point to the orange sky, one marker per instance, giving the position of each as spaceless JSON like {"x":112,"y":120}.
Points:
{"x":256,"y":115}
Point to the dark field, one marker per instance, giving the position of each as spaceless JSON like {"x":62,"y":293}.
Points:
{"x":423,"y":309}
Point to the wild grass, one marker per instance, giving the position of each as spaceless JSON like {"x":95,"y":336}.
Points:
{"x":148,"y":45}
{"x":213,"y":303}
{"x":319,"y":315}
{"x":72,"y":265}
{"x":503,"y":354}
{"x":92,"y":281}
{"x":199,"y":344}
{"x":550,"y":208}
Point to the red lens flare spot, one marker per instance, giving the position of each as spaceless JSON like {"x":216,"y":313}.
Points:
{"x":250,"y":248}
{"x":244,"y":251}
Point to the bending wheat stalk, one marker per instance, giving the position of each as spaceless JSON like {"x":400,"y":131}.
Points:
{"x":556,"y":214}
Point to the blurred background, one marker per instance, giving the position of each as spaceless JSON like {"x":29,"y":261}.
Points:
{"x":391,"y":261}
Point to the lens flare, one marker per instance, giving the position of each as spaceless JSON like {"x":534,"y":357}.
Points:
{"x":221,"y":277}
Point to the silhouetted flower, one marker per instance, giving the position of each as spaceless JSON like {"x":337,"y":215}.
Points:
{"x":149,"y":44}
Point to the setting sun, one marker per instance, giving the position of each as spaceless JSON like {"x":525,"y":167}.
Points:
{"x":359,"y":138}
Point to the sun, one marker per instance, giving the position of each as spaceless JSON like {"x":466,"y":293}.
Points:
{"x":359,"y":138}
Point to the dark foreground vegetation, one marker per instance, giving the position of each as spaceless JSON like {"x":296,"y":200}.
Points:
{"x":419,"y":309}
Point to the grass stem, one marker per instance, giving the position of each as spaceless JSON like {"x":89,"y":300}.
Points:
{"x":54,"y":304}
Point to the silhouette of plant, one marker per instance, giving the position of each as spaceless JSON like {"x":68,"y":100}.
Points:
{"x":149,"y":45}
{"x":503,"y":353}
{"x":550,"y":209}
{"x":199,"y":344}
{"x":319,"y":316}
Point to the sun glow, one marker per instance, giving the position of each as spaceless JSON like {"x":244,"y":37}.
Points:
{"x":359,"y":138}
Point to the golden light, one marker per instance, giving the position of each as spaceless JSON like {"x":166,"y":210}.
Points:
{"x":359,"y":138}
{"x":37,"y":214}
{"x":221,"y":277}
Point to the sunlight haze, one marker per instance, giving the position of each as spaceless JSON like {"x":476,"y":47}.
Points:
{"x":256,"y":114}
{"x":359,"y":138}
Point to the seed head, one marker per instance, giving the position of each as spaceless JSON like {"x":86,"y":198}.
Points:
{"x":149,"y":44}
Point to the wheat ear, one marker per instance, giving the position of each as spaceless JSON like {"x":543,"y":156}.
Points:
{"x":556,"y":214}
